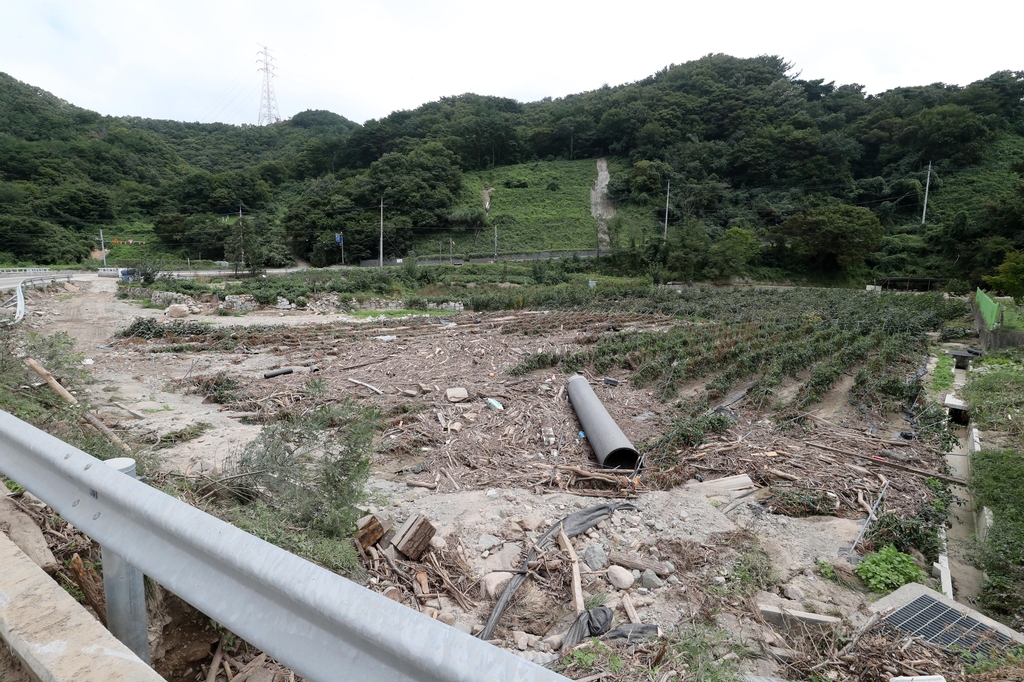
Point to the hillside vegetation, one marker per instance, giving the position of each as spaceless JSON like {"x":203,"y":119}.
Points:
{"x":769,"y":174}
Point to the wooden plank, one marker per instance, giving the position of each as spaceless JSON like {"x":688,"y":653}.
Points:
{"x":577,"y":583}
{"x":627,"y":606}
{"x":413,"y":538}
{"x":638,"y":562}
{"x":371,"y":532}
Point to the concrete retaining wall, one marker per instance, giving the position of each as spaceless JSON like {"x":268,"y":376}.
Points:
{"x":55,"y":638}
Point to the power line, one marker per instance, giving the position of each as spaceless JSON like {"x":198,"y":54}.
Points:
{"x":268,"y":101}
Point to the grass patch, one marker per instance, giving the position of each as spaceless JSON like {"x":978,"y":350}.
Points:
{"x":190,"y":432}
{"x":800,"y":502}
{"x":942,"y":377}
{"x":997,"y":477}
{"x":538,"y":206}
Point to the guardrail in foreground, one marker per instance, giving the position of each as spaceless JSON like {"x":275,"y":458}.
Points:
{"x":319,"y":624}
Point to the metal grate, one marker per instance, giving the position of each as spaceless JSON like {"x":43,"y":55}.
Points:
{"x":933,"y":621}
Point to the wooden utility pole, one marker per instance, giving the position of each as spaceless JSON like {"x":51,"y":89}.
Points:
{"x":927,"y":184}
{"x":381,"y":256}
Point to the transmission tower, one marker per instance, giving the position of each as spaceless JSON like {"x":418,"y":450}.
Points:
{"x":268,"y":101}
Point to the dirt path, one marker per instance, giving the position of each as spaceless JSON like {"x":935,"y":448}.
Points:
{"x":485,"y":194}
{"x":601,"y":208}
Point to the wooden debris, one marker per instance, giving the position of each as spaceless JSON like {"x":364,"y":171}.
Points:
{"x":372,"y":531}
{"x":635,"y":561}
{"x":413,"y":538}
{"x":91,"y":584}
{"x":86,"y":415}
{"x":246,"y":671}
{"x":421,"y":484}
{"x":215,"y":664}
{"x":577,"y":586}
{"x":627,"y":606}
{"x":366,"y":385}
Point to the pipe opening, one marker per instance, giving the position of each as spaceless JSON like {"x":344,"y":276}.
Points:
{"x":621,"y":458}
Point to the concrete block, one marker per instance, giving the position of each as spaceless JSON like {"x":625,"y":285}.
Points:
{"x":53,"y":635}
{"x":788,"y":617}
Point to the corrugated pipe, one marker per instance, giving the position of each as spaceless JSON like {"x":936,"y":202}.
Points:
{"x":611,"y":446}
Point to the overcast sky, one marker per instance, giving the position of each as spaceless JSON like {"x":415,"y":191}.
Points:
{"x":196,"y":61}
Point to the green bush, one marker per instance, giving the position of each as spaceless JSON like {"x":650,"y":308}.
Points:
{"x":888,"y":570}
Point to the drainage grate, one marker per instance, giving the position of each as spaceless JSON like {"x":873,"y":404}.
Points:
{"x":933,"y":621}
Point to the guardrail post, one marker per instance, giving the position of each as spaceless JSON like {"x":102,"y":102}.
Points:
{"x":124,"y":590}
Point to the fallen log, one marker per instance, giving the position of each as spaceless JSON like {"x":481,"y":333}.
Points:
{"x":86,"y":415}
{"x":634,"y":561}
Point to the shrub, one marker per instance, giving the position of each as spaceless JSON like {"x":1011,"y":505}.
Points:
{"x":888,"y":570}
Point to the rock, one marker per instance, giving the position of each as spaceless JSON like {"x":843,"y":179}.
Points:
{"x":455,"y":427}
{"x":537,"y":657}
{"x":794,"y":593}
{"x":456,"y":395}
{"x":447,"y":617}
{"x":492,"y":494}
{"x":672,"y":580}
{"x":464,"y":627}
{"x":438,"y":542}
{"x":554,"y":641}
{"x":493,"y":583}
{"x":636,"y":574}
{"x":177,"y":310}
{"x":521,"y":639}
{"x":620,"y":578}
{"x":532,"y":521}
{"x":487,"y":541}
{"x":650,"y":580}
{"x":595,"y":557}
{"x":719,"y":580}
{"x":24,"y":533}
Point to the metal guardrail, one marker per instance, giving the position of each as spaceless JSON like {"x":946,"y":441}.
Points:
{"x":319,"y":624}
{"x":21,"y":271}
{"x":18,"y":299}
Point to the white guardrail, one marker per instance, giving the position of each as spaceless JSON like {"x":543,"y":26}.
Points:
{"x":23,"y":271}
{"x":18,"y":299}
{"x":319,"y":624}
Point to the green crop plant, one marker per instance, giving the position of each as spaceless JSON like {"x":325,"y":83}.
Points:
{"x":888,"y":569}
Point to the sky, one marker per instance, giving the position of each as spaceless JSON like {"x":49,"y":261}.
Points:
{"x":197,"y":61}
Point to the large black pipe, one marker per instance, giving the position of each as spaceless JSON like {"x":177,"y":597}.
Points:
{"x":611,"y":446}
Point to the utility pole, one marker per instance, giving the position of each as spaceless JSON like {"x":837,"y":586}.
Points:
{"x":268,"y":100}
{"x":668,"y":191}
{"x":241,"y":239}
{"x":342,"y":247}
{"x":381,"y":256}
{"x":103,"y":248}
{"x":927,"y":184}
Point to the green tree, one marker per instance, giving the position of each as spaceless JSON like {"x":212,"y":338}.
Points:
{"x":832,"y":237}
{"x":1010,"y":279}
{"x":688,"y":250}
{"x":730,"y":255}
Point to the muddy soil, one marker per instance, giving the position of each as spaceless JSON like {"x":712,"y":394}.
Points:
{"x":489,"y":470}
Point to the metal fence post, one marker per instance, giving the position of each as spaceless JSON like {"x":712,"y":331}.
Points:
{"x":124,"y":590}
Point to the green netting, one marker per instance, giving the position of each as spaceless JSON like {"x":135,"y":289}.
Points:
{"x":989,"y":309}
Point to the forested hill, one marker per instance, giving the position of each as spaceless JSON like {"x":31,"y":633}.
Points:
{"x":767,"y":171}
